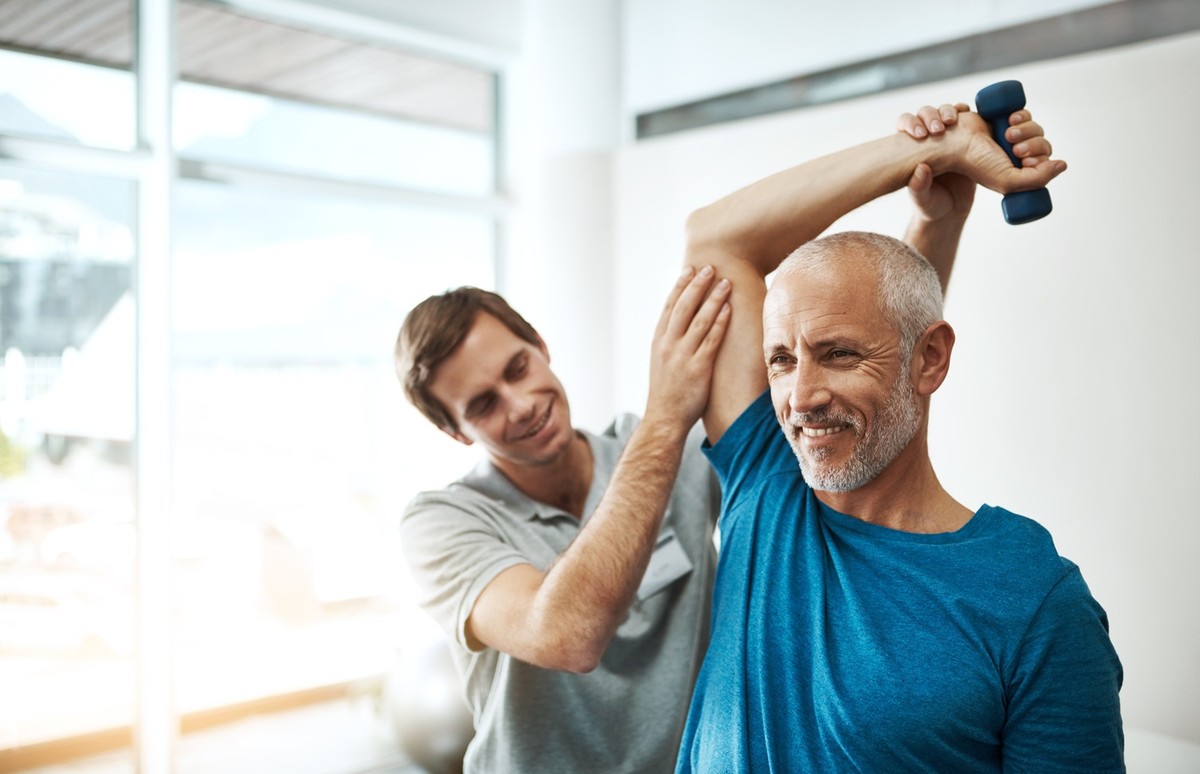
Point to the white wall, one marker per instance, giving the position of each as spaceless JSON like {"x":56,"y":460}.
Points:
{"x":678,"y":51}
{"x":1072,"y":393}
{"x":564,"y":127}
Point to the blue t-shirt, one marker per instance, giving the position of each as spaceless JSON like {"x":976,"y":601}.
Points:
{"x":839,"y":645}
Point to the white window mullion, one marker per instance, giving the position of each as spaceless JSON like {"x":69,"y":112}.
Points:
{"x":156,"y":717}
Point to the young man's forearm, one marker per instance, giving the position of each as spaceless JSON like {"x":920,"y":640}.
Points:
{"x":588,"y":590}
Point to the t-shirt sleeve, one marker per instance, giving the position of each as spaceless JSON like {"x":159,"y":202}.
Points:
{"x":697,"y":473}
{"x":1064,"y":712}
{"x":453,"y":553}
{"x":752,"y":447}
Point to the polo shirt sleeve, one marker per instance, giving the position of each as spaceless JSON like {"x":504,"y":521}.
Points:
{"x":1064,"y":712}
{"x":453,"y":552}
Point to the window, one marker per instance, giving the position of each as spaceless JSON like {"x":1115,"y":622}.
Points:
{"x":66,"y":479}
{"x":241,"y":128}
{"x":328,"y":181}
{"x":64,"y":100}
{"x":293,"y":449}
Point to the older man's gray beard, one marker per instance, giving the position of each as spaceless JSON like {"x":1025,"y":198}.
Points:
{"x":896,"y":425}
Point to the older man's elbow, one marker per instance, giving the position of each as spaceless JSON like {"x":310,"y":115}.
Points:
{"x":699,"y":232}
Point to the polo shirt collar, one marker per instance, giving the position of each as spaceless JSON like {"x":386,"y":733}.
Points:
{"x":487,"y":479}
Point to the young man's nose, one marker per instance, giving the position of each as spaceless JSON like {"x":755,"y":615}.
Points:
{"x":521,"y":405}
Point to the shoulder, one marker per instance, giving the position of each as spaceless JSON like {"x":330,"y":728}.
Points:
{"x":753,"y":447}
{"x":434,"y":517}
{"x":621,"y":428}
{"x":1007,"y":563}
{"x":457,"y":531}
{"x":456,"y":498}
{"x":1054,"y":586}
{"x":1023,"y":540}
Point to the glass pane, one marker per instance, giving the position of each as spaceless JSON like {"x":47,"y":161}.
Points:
{"x":229,"y":126}
{"x":57,"y":99}
{"x":294,"y":447}
{"x":66,"y":482}
{"x":260,"y":93}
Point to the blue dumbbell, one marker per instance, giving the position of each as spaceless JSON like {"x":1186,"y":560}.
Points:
{"x":995,"y":104}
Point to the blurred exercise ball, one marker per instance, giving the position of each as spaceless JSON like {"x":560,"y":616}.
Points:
{"x":423,"y":700}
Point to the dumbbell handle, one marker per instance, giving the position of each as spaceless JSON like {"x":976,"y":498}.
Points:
{"x":995,"y":104}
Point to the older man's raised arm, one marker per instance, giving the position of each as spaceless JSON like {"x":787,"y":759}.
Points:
{"x":748,"y":233}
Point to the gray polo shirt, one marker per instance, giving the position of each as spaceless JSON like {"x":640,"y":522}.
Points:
{"x":628,"y":714}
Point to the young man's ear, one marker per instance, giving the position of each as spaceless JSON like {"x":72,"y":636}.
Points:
{"x":457,"y":435}
{"x":931,"y":358}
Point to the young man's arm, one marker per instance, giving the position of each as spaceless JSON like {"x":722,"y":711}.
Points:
{"x":748,"y":233}
{"x":564,"y":618}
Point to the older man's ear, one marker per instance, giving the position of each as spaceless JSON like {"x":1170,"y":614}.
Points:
{"x":931,"y":358}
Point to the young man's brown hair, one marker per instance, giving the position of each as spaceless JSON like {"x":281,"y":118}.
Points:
{"x":434,"y":329}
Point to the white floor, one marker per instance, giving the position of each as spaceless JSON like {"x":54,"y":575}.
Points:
{"x":349,"y":737}
{"x":1150,"y":753}
{"x":341,"y":737}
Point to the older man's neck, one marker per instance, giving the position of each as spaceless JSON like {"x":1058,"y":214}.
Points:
{"x":906,"y":496}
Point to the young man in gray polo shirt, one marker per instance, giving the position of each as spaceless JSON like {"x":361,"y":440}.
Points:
{"x":572,"y":572}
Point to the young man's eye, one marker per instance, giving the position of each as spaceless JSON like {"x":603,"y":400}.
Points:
{"x":480,"y":408}
{"x":517,"y":369}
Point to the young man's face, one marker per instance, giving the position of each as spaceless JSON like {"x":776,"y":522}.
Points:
{"x":500,"y":390}
{"x":841,"y":391}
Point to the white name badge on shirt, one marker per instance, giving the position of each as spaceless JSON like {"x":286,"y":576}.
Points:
{"x":667,"y":564}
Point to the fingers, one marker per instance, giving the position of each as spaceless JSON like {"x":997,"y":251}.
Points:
{"x":927,"y":121}
{"x":921,"y":180}
{"x":1033,"y":152}
{"x":685,"y":350}
{"x":1020,"y":119}
{"x":716,"y":332}
{"x":680,"y":285}
{"x":693,"y":305}
{"x":699,"y":322}
{"x":908,"y":124}
{"x":950,"y":112}
{"x":1036,"y":176}
{"x":1028,"y":139}
{"x":930,"y":121}
{"x":920,"y":188}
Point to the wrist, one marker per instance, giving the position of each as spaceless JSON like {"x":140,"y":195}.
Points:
{"x":942,"y":153}
{"x":665,"y":427}
{"x":952,"y":219}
